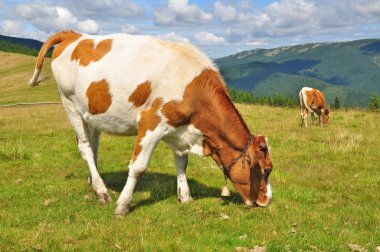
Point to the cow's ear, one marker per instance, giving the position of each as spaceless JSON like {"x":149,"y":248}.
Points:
{"x":206,"y":149}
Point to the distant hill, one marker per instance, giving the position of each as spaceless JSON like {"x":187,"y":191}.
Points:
{"x":21,"y":45}
{"x":349,"y":70}
{"x":32,"y":43}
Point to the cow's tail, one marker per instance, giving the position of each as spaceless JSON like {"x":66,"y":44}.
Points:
{"x":303,"y":101}
{"x":50,"y":42}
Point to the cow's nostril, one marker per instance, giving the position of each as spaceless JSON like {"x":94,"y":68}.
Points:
{"x":267,"y":171}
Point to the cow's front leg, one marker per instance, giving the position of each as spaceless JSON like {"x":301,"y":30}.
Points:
{"x":151,"y":130}
{"x":312,"y":118}
{"x":137,"y":167}
{"x":182,"y":185}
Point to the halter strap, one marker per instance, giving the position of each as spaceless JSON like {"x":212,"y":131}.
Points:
{"x":242,"y":153}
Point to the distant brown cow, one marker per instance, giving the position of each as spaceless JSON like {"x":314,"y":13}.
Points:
{"x":312,"y":100}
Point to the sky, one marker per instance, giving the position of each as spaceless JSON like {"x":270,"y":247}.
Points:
{"x":218,"y":27}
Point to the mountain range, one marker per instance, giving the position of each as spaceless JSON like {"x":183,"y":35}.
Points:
{"x":347,"y":70}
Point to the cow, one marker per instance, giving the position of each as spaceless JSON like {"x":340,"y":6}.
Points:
{"x":158,"y":90}
{"x":312,"y":100}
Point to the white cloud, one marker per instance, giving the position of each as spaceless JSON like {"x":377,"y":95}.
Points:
{"x":88,"y":26}
{"x":302,"y":18}
{"x":37,"y":35}
{"x":246,"y":4}
{"x":288,"y":13}
{"x":11,"y":28}
{"x":256,"y":43}
{"x":53,"y":18}
{"x":172,"y":36}
{"x":209,"y":39}
{"x":103,"y":9}
{"x":233,"y":13}
{"x":181,"y":12}
{"x":225,"y":13}
{"x":367,"y":8}
{"x":131,"y":29}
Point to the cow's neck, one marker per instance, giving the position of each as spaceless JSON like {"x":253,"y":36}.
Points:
{"x":226,"y":134}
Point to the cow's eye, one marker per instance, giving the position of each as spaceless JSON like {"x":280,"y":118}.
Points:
{"x":263,"y":147}
{"x":267,"y":171}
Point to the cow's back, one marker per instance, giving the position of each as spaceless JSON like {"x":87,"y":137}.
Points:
{"x":312,"y":97}
{"x":113,"y":78}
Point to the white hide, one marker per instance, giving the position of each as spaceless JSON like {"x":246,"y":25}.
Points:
{"x":169,"y":67}
{"x":303,"y":105}
{"x":303,"y":98}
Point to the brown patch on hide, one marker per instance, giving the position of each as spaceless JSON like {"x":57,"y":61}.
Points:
{"x":140,"y":94}
{"x":149,"y":121}
{"x":66,"y":38}
{"x":200,"y":94}
{"x":207,"y":105}
{"x":99,"y":97}
{"x":315,"y":98}
{"x":85,"y":52}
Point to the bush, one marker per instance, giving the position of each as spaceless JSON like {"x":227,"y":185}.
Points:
{"x":374,"y":102}
{"x":276,"y":100}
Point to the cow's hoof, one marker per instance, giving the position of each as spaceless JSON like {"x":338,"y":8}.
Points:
{"x":121,"y":211}
{"x":104,"y":197}
{"x":185,"y":199}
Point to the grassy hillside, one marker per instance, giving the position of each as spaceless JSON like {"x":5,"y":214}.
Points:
{"x":349,"y":70}
{"x":325,"y":184}
{"x":15,"y":73}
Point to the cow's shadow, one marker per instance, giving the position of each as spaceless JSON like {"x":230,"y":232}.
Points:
{"x":163,"y":186}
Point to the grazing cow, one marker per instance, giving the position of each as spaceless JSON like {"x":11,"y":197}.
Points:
{"x":140,"y":85}
{"x":312,"y":100}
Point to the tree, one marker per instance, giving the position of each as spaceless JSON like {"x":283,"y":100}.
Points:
{"x":337,"y":102}
{"x":374,"y":102}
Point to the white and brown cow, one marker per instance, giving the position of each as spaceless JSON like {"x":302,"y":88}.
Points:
{"x":312,"y":100}
{"x":140,"y":85}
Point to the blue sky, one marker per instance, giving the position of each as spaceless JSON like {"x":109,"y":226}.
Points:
{"x":218,"y":27}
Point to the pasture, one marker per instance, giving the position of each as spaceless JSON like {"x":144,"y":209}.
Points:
{"x":325,"y":182}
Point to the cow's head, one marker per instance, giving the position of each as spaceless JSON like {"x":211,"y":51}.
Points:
{"x":250,"y":174}
{"x":325,"y":116}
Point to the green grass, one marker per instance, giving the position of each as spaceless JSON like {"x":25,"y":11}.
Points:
{"x":325,"y":183}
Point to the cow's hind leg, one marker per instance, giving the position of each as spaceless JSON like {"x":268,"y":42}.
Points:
{"x":304,"y":117}
{"x":94,"y":143}
{"x":182,"y":185}
{"x":303,"y":112}
{"x":87,"y":143}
